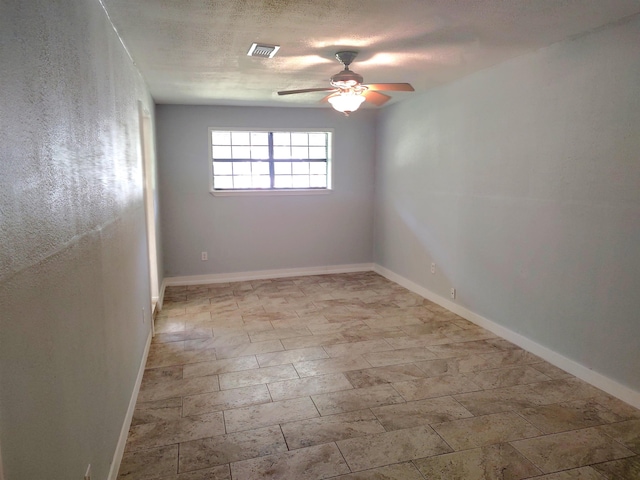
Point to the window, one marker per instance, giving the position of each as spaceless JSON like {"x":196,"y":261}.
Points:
{"x":270,"y":160}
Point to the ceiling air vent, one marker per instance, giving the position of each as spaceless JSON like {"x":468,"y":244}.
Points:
{"x":264,"y":51}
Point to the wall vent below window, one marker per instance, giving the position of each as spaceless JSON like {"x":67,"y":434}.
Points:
{"x":264,"y":51}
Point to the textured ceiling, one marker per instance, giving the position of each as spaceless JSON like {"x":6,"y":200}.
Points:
{"x":194,"y":51}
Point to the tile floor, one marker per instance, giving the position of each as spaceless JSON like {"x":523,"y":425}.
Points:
{"x":353,"y":377}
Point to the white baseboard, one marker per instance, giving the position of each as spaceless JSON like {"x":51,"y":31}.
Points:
{"x":124,"y":432}
{"x":598,"y":380}
{"x":264,"y":274}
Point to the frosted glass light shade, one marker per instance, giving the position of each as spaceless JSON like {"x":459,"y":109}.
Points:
{"x":346,"y":102}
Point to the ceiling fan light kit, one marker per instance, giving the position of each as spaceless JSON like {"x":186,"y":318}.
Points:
{"x":346,"y":102}
{"x":347,"y":91}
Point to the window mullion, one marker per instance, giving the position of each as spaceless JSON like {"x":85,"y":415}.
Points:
{"x":271,"y":165}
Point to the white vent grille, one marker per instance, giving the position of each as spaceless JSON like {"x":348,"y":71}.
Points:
{"x":264,"y":51}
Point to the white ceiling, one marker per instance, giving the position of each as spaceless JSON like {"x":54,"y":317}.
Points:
{"x":194,"y":51}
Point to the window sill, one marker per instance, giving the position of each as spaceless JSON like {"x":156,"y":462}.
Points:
{"x":251,"y":193}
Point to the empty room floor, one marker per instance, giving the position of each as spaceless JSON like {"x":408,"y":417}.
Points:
{"x":352,"y":376}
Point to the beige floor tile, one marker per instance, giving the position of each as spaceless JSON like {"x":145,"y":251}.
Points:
{"x":322,"y":461}
{"x":357,"y":399}
{"x":256,"y":416}
{"x":222,"y":472}
{"x":395,"y":357}
{"x":215,"y":367}
{"x":357,"y":348}
{"x":418,"y":340}
{"x":257,"y":376}
{"x":291,"y":356}
{"x":191,"y":334}
{"x":561,"y":417}
{"x":421,"y":412}
{"x":577,"y":448}
{"x":626,"y":468}
{"x":399,"y":471}
{"x":381,"y":449}
{"x":517,"y":398}
{"x":551,"y":371}
{"x":506,"y":377}
{"x":583,"y":473}
{"x":305,"y":433}
{"x":187,"y":386}
{"x":233,"y":447}
{"x":217,"y":341}
{"x":485,"y":430}
{"x":279,"y":333}
{"x":379,"y":375}
{"x":314,"y":340}
{"x":331,"y":365}
{"x":413,"y":364}
{"x":495,"y":462}
{"x":153,"y":463}
{"x":463,"y":348}
{"x":179,"y":357}
{"x":244,"y":349}
{"x":434,"y":387}
{"x":332,"y":382}
{"x":151,"y":435}
{"x":225,"y":400}
{"x":627,"y":433}
{"x":157,"y":411}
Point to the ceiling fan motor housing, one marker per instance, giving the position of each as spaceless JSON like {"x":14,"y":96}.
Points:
{"x":346,"y":79}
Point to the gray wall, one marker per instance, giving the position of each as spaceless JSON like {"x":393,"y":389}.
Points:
{"x":252,"y":233}
{"x":522,"y":183}
{"x":73,"y":258}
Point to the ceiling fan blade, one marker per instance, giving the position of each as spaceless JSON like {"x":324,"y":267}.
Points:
{"x":305,"y":90}
{"x":391,"y":87}
{"x":376,"y":98}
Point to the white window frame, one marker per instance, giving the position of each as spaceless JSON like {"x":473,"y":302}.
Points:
{"x":274,"y":191}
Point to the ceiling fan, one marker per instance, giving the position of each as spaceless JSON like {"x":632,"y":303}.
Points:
{"x":347,"y":90}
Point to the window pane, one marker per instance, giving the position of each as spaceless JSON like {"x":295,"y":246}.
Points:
{"x":317,"y":152}
{"x":240,"y":138}
{"x":259,"y":138}
{"x":300,"y":168}
{"x":243,"y":181}
{"x":300,"y":181}
{"x":282,"y":181}
{"x":242,"y":168}
{"x":318,"y":181}
{"x":281,"y":168}
{"x":281,"y":152}
{"x":299,"y":139}
{"x":241,"y":152}
{"x":220,"y":152}
{"x":261,"y":181}
{"x":260,"y":168}
{"x":260,"y":153}
{"x":222,"y":168}
{"x":318,"y":168}
{"x":221,"y":138}
{"x":318,"y":139}
{"x":281,"y":138}
{"x":299,"y":152}
{"x":222,"y":182}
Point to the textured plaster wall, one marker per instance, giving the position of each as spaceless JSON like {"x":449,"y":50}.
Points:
{"x":73,"y":258}
{"x":251,"y":233}
{"x":521,"y":183}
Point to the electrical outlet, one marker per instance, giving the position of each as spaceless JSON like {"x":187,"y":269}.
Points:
{"x":204,"y":256}
{"x":453,"y":292}
{"x":87,"y":476}
{"x":433,"y":268}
